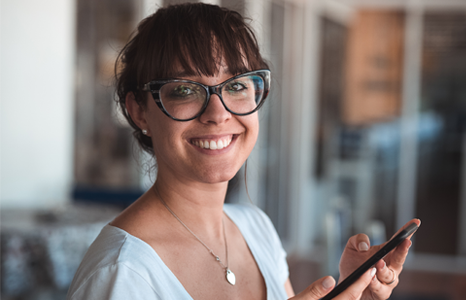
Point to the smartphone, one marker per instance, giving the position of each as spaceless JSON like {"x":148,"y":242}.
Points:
{"x":400,"y":237}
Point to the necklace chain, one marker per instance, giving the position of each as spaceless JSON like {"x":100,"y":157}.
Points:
{"x":187,"y":228}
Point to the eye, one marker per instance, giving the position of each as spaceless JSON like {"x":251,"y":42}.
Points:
{"x":236,"y":86}
{"x":183,"y":91}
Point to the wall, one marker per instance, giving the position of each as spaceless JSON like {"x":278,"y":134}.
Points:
{"x":37,"y":72}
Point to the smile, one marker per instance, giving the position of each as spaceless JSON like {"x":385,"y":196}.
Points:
{"x":212,"y":144}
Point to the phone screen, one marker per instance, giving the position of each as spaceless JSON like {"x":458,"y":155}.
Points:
{"x":400,"y":237}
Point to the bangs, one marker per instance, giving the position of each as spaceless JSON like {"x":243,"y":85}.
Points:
{"x":197,"y":42}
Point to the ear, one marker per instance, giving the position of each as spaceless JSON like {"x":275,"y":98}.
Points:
{"x":137,"y":112}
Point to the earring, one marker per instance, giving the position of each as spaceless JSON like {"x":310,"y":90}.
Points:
{"x":144,"y":132}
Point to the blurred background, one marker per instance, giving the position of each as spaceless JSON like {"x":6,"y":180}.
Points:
{"x":365,"y":129}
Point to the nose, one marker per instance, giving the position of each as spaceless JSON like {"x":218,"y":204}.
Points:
{"x":215,"y":111}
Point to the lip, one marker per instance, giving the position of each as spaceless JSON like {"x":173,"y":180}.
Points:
{"x":233,"y":137}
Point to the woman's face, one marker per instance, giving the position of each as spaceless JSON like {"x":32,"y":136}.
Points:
{"x":181,"y":147}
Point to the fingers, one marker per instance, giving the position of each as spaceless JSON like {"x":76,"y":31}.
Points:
{"x":323,"y":286}
{"x":317,"y":290}
{"x":355,"y":290}
{"x":359,"y":242}
{"x":381,"y":290}
{"x":418,"y":223}
{"x":398,"y":256}
{"x":385,"y":274}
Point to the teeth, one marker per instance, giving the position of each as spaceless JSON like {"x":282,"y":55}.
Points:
{"x":213,"y":145}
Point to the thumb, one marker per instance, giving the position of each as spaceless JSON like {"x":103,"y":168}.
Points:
{"x":316,"y":290}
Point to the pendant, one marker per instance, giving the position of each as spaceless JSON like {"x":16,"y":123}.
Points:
{"x":231,"y":278}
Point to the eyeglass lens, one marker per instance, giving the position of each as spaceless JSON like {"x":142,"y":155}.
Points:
{"x":184,"y":100}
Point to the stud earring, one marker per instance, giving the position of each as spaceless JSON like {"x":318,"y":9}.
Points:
{"x":144,"y":132}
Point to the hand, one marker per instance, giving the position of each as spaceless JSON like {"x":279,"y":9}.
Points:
{"x":323,"y":286}
{"x":358,"y":250}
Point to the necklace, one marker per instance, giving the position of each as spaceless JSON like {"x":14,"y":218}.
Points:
{"x":230,"y":276}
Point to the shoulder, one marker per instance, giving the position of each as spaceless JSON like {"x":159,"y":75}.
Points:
{"x":246,"y":213}
{"x":251,"y":220}
{"x":110,"y":267}
{"x":114,"y":246}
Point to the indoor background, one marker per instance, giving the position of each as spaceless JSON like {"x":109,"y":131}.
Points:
{"x":365,"y":128}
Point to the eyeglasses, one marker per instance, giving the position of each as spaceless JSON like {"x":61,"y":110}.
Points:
{"x":185,"y":100}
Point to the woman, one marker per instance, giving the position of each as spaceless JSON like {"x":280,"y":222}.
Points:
{"x":190,"y":83}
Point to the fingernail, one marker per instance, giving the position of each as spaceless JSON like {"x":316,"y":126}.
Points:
{"x":384,"y":265}
{"x":410,"y":244}
{"x":373,"y":271}
{"x":363,"y":246}
{"x":327,"y":283}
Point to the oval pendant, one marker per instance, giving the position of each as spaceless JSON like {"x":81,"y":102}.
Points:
{"x":231,"y":278}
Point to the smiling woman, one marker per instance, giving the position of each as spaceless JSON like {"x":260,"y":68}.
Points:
{"x":190,"y":83}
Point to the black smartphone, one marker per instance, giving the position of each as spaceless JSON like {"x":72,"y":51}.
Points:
{"x":400,"y":237}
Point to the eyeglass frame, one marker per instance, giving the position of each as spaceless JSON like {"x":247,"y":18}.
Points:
{"x":154,"y":87}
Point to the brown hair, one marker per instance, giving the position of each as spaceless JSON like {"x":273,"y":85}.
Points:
{"x":195,"y":36}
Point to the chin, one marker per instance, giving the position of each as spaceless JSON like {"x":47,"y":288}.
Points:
{"x":218,"y":176}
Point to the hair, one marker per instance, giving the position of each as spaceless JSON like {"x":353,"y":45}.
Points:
{"x":194,"y":36}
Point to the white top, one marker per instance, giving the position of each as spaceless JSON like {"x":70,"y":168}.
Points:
{"x":119,"y":265}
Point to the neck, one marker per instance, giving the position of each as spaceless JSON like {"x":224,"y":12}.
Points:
{"x":199,"y":206}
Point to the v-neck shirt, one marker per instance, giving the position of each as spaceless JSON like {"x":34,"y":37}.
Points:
{"x":119,"y":265}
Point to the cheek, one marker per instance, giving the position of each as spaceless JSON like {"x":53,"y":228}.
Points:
{"x":165,"y":132}
{"x":255,"y":124}
{"x":252,"y":125}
